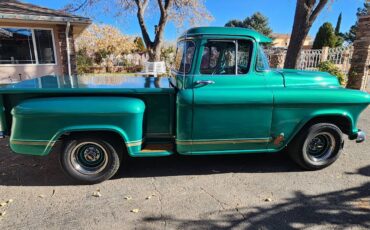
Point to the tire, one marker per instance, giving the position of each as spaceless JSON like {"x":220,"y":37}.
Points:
{"x":317,"y":147}
{"x":90,"y":160}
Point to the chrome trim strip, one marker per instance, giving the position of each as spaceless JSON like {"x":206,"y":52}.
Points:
{"x":223,"y":141}
{"x":134,"y":143}
{"x":38,"y":142}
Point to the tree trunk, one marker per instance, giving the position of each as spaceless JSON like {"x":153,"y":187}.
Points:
{"x":153,"y":47}
{"x":155,"y":52}
{"x":305,"y":15}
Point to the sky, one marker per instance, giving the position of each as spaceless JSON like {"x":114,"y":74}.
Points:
{"x":279,"y":12}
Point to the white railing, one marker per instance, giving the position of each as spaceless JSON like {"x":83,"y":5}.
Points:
{"x":340,"y":55}
{"x":310,"y":59}
{"x":154,"y":68}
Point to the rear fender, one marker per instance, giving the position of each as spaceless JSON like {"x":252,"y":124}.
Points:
{"x":39,"y":123}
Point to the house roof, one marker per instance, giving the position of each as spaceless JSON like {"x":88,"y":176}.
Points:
{"x":17,"y":10}
{"x":286,"y":36}
{"x":233,"y":31}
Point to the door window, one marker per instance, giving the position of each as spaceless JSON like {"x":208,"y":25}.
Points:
{"x":227,"y":57}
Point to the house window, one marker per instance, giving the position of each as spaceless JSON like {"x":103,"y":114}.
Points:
{"x":26,"y":46}
{"x":45,"y":47}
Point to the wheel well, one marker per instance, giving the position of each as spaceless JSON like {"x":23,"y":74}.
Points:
{"x":111,"y":136}
{"x":343,"y":123}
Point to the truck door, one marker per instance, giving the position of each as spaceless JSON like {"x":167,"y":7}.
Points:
{"x":232,"y":106}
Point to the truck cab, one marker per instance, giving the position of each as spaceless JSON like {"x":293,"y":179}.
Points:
{"x":222,"y":75}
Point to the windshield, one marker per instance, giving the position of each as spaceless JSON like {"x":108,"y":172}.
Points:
{"x":262,"y":60}
{"x":184,"y":56}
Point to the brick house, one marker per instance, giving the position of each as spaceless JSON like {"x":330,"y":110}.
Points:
{"x":34,"y":41}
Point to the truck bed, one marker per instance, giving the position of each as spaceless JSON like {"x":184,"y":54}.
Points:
{"x":157,"y":94}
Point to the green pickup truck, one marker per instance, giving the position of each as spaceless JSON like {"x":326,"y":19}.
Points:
{"x":221,"y":98}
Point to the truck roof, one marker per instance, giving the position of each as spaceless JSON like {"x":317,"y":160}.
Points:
{"x":236,"y":31}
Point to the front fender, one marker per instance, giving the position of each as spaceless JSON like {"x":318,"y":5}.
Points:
{"x":291,"y":120}
{"x":38,"y":123}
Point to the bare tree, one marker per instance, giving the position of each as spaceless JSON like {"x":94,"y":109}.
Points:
{"x":179,"y":11}
{"x":306,"y":13}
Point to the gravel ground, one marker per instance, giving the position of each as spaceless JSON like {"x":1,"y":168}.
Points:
{"x":265,"y":191}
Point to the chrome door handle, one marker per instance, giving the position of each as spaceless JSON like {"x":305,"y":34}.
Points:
{"x":205,"y":82}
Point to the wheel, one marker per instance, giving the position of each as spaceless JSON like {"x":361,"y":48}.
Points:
{"x":90,"y":160}
{"x":317,"y":147}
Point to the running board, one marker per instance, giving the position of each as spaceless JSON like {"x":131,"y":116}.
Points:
{"x":156,"y":150}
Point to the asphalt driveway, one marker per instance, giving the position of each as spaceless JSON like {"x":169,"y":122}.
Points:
{"x":265,"y":191}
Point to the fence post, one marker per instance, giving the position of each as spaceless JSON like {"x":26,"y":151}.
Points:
{"x":346,"y":54}
{"x":324,"y":53}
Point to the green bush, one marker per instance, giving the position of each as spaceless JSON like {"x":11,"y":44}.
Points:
{"x":328,"y":66}
{"x":84,"y":62}
{"x":325,"y":37}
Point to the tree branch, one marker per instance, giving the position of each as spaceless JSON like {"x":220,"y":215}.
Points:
{"x":317,"y":10}
{"x":163,"y":19}
{"x":72,"y":9}
{"x":141,"y":7}
{"x":161,"y":6}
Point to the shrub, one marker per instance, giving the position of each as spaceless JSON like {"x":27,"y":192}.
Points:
{"x":84,"y":62}
{"x":328,"y":66}
{"x":325,"y":37}
{"x":134,"y":69}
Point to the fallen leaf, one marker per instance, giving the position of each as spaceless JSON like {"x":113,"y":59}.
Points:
{"x":10,"y":201}
{"x":3,"y":204}
{"x":53,"y":193}
{"x":363,"y":204}
{"x":2,"y":213}
{"x":128,"y":198}
{"x":42,"y":196}
{"x":98,"y":189}
{"x":135,"y":210}
{"x":96,"y":194}
{"x":268,"y":199}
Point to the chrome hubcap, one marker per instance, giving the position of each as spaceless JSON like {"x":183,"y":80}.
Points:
{"x":321,"y":146}
{"x":91,"y":154}
{"x":89,"y":158}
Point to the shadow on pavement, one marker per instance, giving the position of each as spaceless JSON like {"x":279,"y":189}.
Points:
{"x":22,"y":170}
{"x":344,"y":209}
{"x":203,"y":165}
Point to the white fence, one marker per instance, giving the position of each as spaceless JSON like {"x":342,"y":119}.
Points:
{"x":311,"y":58}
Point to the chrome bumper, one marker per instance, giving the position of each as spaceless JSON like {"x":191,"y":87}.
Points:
{"x":361,"y":137}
